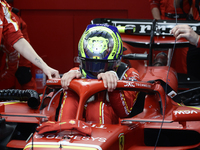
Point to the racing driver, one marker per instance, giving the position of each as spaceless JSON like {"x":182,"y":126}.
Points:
{"x":100,"y":50}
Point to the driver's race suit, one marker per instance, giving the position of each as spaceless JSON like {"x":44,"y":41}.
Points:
{"x":104,"y":107}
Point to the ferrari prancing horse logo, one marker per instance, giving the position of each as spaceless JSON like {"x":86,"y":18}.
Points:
{"x":121,"y":141}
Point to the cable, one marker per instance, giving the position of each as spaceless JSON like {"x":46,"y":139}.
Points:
{"x":170,"y":59}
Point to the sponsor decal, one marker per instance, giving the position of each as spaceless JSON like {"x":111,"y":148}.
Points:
{"x":129,"y":84}
{"x":133,"y":84}
{"x":1,"y":22}
{"x":145,"y":27}
{"x":52,"y":81}
{"x":74,"y":137}
{"x":143,"y":85}
{"x":99,"y":139}
{"x":172,"y":94}
{"x":160,"y":29}
{"x":102,"y":126}
{"x":185,"y":112}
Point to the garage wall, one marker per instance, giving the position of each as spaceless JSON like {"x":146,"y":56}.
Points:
{"x":55,"y":26}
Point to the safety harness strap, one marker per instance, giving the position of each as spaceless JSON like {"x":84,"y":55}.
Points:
{"x":121,"y":69}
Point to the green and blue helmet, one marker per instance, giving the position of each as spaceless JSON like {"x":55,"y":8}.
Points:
{"x":100,"y":49}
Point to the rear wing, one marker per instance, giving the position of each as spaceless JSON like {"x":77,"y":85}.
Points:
{"x":144,"y":27}
{"x":149,"y":33}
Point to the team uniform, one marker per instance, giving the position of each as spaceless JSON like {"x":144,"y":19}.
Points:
{"x":9,"y":30}
{"x":8,"y":25}
{"x":15,"y":69}
{"x":24,"y":77}
{"x":195,"y":8}
{"x":167,"y":12}
{"x":167,"y":9}
{"x":104,"y":107}
{"x":194,"y":52}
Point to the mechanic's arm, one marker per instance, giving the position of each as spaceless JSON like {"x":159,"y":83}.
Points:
{"x":154,"y":6}
{"x":110,"y":79}
{"x":177,"y":3}
{"x":156,"y":13}
{"x":26,"y":50}
{"x":185,"y":31}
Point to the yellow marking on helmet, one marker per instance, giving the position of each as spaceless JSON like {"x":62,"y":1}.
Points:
{"x":84,"y":73}
{"x":120,"y":51}
{"x":115,"y":47}
{"x":81,"y":48}
{"x":96,"y":57}
{"x":99,"y":44}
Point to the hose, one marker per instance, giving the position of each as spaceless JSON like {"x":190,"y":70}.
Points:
{"x":31,"y":96}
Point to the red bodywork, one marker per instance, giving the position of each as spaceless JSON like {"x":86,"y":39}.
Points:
{"x":128,"y":134}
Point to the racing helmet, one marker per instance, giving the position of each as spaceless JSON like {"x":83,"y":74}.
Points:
{"x":100,"y":49}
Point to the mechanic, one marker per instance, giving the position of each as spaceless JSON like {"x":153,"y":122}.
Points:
{"x":100,"y":50}
{"x":194,"y":13}
{"x":193,"y":53}
{"x":165,"y":10}
{"x":9,"y":30}
{"x":13,"y":36}
{"x":185,"y":31}
{"x":16,"y":70}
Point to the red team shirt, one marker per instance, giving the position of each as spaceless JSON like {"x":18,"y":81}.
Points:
{"x":9,"y":30}
{"x":11,"y":33}
{"x":167,"y":6}
{"x":8,"y":25}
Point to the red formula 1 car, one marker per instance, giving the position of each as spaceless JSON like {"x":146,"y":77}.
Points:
{"x":159,"y":119}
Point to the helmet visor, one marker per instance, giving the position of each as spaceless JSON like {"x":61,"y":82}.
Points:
{"x":98,"y":66}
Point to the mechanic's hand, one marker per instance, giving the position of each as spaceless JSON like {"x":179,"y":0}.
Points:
{"x":110,"y":79}
{"x":68,"y":76}
{"x":185,"y":31}
{"x":51,"y":73}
